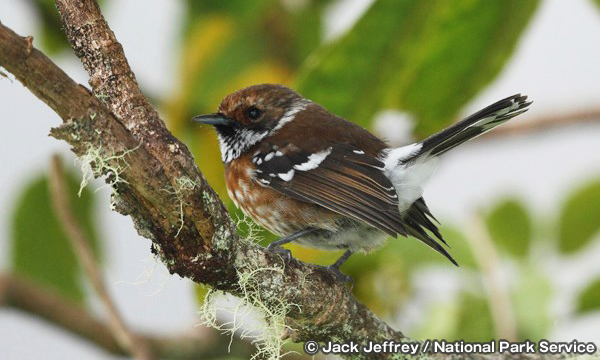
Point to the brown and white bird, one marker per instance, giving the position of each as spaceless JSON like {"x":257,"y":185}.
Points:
{"x":314,"y":178}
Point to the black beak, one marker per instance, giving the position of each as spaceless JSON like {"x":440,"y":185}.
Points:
{"x":214,"y":120}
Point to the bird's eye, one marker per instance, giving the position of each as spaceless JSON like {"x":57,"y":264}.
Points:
{"x":253,"y":112}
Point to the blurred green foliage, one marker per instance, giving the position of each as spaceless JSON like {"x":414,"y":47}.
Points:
{"x":52,"y":37}
{"x":531,"y":298}
{"x":41,"y":249}
{"x":510,"y":226}
{"x":579,"y":220}
{"x":426,"y":57}
{"x":589,"y":299}
{"x":464,"y":317}
{"x":474,"y":321}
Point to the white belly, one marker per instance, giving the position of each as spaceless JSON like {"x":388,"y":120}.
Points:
{"x":358,"y":237}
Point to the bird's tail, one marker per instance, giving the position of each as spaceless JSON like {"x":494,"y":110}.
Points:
{"x":410,"y":166}
{"x":472,"y":126}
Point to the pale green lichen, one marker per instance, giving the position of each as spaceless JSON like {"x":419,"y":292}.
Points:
{"x":255,"y":298}
{"x":153,"y":276}
{"x":222,"y":234}
{"x":252,"y":232}
{"x":181,"y":184}
{"x":95,"y":163}
{"x":102,"y":97}
{"x":207,"y":198}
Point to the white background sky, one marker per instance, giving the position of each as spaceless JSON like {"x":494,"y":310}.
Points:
{"x":556,"y":64}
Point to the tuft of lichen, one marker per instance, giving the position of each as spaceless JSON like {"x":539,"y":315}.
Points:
{"x":252,"y":232}
{"x":182,"y":184}
{"x":95,"y":163}
{"x":271,"y":310}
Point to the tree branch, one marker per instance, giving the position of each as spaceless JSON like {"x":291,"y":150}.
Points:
{"x":498,"y":295}
{"x":35,"y":299}
{"x":544,"y":123}
{"x":80,"y":244}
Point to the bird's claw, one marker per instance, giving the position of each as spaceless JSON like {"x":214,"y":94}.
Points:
{"x":285,"y":253}
{"x":341,"y":276}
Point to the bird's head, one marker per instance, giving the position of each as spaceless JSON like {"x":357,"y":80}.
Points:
{"x":249,"y":115}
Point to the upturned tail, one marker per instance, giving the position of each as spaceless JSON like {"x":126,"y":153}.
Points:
{"x":410,"y":166}
{"x":480,"y":122}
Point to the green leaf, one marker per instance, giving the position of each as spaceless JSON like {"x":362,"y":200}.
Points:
{"x":426,"y":57}
{"x":289,"y":33}
{"x":580,"y":218}
{"x":233,"y":44}
{"x":223,"y":40}
{"x":40,"y":247}
{"x":531,"y":301}
{"x":474,"y":321}
{"x":52,"y":37}
{"x":510,"y":226}
{"x":381,"y":281}
{"x":440,"y":322}
{"x":383,"y":277}
{"x":589,"y":299}
{"x":466,"y":318}
{"x":297,"y":32}
{"x":459,"y":247}
{"x":241,"y":9}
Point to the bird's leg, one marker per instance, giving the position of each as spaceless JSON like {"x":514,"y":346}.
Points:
{"x":335,"y":267}
{"x":276,"y":245}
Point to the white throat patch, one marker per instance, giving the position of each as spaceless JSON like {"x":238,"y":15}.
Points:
{"x":234,"y":146}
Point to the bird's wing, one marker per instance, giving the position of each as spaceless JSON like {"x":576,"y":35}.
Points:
{"x":346,"y":180}
{"x":340,"y":178}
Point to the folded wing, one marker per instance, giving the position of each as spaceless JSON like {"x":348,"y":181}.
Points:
{"x":344,"y":179}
